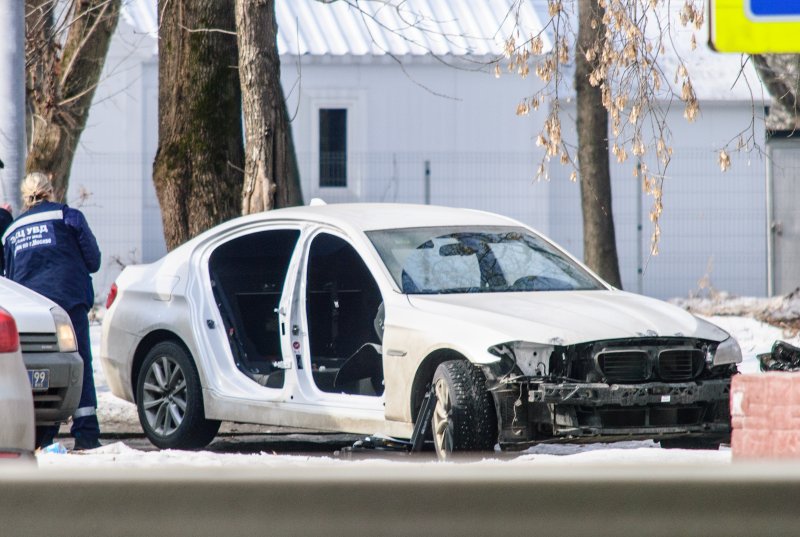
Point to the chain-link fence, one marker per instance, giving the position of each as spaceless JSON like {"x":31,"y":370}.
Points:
{"x":713,"y":228}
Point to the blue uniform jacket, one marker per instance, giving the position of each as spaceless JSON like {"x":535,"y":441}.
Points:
{"x":50,"y":249}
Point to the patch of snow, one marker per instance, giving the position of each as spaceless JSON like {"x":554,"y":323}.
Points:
{"x":120,"y":455}
{"x":782,"y":310}
{"x":115,"y":412}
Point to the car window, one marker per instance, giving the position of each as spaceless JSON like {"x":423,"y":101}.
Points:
{"x":473,"y":260}
{"x":429,"y":270}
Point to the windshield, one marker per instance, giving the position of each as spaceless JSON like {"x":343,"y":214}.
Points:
{"x":482,"y":259}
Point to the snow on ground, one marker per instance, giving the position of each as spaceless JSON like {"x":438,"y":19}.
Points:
{"x":119,"y":455}
{"x":735,"y":315}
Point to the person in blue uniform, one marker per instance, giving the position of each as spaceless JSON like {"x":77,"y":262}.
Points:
{"x":50,"y":249}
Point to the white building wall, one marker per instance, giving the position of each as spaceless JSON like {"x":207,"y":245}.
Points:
{"x":463,"y":123}
{"x":713,"y":228}
{"x":111,"y":164}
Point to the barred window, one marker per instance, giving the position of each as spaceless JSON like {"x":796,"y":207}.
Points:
{"x":333,"y":147}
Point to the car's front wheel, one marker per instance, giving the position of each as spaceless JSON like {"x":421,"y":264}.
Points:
{"x":463,"y":416}
{"x":170,"y":401}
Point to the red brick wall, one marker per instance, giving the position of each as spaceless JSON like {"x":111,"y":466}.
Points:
{"x":765,"y":415}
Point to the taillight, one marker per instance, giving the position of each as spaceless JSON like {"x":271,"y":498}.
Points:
{"x":112,"y":294}
{"x":9,"y":337}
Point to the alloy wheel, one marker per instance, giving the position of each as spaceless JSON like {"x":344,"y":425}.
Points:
{"x":164,"y":396}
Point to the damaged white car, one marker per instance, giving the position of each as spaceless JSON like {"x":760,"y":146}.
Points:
{"x":343,"y":318}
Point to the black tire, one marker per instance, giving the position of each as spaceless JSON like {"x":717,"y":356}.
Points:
{"x":171,"y":409}
{"x":690,"y":442}
{"x":466,"y":421}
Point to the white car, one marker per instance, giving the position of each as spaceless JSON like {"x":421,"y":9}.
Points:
{"x":16,"y":402}
{"x":49,"y":351}
{"x":342,"y":317}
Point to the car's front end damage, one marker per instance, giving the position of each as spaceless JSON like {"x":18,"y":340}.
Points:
{"x":565,"y":356}
{"x":619,"y":389}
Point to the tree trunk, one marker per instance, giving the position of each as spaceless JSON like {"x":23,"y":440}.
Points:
{"x":198,"y":166}
{"x":289,"y":193}
{"x":12,"y":101}
{"x":61,"y":87}
{"x":271,"y":178}
{"x":780,"y":74}
{"x":599,"y":241}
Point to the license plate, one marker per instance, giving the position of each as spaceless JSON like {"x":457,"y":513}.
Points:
{"x":40,"y":379}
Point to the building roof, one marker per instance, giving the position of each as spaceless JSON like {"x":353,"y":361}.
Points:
{"x":402,"y":28}
{"x":382,"y":27}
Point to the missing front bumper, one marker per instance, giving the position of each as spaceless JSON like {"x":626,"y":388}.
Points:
{"x":548,"y":412}
{"x":596,"y":394}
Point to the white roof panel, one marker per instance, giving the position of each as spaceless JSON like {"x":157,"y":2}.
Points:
{"x":380,"y":27}
{"x":456,"y":27}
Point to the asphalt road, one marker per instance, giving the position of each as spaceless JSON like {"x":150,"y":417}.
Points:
{"x":238,"y":438}
{"x":271,"y":440}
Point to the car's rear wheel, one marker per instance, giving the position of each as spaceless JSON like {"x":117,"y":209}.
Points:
{"x":170,"y":400}
{"x":463,"y":416}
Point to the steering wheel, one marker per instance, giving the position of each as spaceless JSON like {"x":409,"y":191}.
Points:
{"x":526,"y":283}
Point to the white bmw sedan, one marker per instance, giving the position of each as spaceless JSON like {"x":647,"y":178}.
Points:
{"x":343,"y":317}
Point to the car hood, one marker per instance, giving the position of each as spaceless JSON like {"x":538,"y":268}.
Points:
{"x":568,"y":317}
{"x":31,"y":311}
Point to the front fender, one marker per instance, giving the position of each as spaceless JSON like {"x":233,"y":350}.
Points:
{"x":412,"y":336}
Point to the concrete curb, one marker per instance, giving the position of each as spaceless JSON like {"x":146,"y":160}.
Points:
{"x":405,"y":499}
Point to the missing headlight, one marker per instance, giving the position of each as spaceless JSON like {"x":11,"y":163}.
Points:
{"x":533,"y":359}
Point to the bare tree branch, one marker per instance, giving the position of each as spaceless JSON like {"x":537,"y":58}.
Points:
{"x":66,"y":46}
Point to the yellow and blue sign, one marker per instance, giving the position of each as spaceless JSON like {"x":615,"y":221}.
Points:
{"x":755,"y":26}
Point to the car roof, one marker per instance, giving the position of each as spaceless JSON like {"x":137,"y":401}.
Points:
{"x":373,"y":216}
{"x":359,"y":217}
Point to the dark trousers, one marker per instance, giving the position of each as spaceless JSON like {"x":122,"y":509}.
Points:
{"x":85,"y":428}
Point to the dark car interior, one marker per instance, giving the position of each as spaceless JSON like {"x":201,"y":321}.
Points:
{"x":344,"y":312}
{"x":343,"y":308}
{"x":247,"y":277}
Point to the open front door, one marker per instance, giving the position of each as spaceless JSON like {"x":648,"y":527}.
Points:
{"x":343,"y":315}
